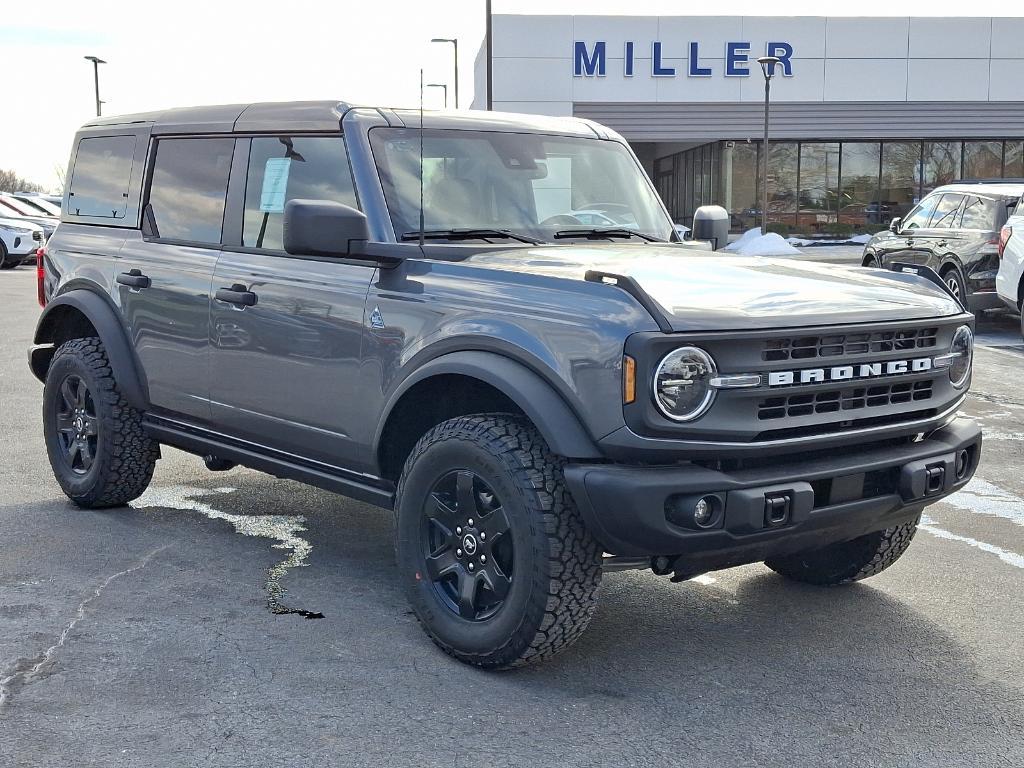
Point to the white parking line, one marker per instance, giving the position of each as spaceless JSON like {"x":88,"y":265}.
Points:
{"x":1010,"y":558}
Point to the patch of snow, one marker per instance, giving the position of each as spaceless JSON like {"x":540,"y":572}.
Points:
{"x":771,"y":244}
{"x":746,"y":237}
{"x":860,"y":239}
{"x":800,"y":241}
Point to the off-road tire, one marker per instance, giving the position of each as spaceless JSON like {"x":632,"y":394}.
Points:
{"x":847,"y":561}
{"x":7,"y":262}
{"x":125,"y":455}
{"x":553,"y":590}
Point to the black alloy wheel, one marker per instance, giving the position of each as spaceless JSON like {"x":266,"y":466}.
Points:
{"x":77,"y":424}
{"x":467,"y":547}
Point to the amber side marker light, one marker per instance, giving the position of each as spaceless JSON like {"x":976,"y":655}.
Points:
{"x":628,"y":379}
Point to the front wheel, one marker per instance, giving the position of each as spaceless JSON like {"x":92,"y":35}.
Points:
{"x":492,"y":552}
{"x":7,"y":261}
{"x":99,"y":452}
{"x":847,"y":561}
{"x":955,"y":282}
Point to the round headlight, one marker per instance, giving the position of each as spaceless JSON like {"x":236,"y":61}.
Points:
{"x":961,"y":351}
{"x":682,"y":383}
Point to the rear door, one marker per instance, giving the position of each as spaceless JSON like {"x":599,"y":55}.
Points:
{"x":285,"y":366}
{"x":164,"y":273}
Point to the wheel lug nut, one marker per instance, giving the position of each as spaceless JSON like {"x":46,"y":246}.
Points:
{"x":458,"y":530}
{"x":483,"y":558}
{"x":458,"y":553}
{"x":471,"y":566}
{"x":470,"y":522}
{"x":483,"y":536}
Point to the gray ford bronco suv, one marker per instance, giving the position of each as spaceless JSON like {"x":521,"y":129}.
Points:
{"x":410,"y":313}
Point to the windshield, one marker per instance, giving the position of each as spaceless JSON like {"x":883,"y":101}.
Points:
{"x":532,"y":185}
{"x":44,"y":207}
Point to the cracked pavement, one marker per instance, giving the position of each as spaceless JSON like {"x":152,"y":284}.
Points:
{"x":143,"y":636}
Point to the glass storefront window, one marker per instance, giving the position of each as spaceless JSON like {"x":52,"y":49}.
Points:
{"x":819,"y":187}
{"x":983,"y":159}
{"x":782,"y":182}
{"x":740,"y":183}
{"x":859,"y":201}
{"x":941,"y":164}
{"x":1013,"y":160}
{"x":898,"y":190}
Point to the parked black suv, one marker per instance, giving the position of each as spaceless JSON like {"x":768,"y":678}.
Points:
{"x":537,"y":399}
{"x":955,"y":232}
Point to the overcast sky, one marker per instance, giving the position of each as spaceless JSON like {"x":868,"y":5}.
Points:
{"x":222,"y":51}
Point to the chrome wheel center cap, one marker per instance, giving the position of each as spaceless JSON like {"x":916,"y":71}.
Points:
{"x":79,"y":424}
{"x":469,"y":544}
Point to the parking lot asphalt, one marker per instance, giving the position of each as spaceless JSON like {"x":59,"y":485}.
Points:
{"x":142,"y":636}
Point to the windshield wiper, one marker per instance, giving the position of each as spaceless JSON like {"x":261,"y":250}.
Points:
{"x":597,"y":233}
{"x":470,"y":234}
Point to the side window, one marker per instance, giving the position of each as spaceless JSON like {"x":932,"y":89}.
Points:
{"x":187,"y":191}
{"x":283,"y":168}
{"x":946,"y":211}
{"x":99,"y":181}
{"x":920,"y":216}
{"x":978,"y":214}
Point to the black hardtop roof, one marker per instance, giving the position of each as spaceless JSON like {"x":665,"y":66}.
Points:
{"x":326,"y":115}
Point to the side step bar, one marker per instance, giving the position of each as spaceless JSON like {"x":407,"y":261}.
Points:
{"x":203,"y":443}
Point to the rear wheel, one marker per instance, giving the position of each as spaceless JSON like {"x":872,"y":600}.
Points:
{"x":493,"y":553}
{"x":847,"y":561}
{"x":98,"y":450}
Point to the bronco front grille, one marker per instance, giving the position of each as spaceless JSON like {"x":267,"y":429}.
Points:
{"x":843,"y":344}
{"x":836,"y":400}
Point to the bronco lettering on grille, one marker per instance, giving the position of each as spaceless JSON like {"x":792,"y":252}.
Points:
{"x":849,"y":372}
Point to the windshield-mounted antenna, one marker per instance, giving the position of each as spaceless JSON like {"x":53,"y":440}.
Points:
{"x":422,"y":225}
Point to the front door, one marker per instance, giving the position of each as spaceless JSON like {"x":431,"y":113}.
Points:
{"x":286,"y":331}
{"x":163,"y":276}
{"x":911,"y":244}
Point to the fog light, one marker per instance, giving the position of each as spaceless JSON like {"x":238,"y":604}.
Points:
{"x":703,"y":512}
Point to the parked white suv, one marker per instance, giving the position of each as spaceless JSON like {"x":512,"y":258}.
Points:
{"x":19,"y":239}
{"x":1010,"y":278}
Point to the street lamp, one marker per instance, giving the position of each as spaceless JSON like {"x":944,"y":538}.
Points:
{"x":768,"y":69}
{"x":96,"y":77}
{"x":441,"y":85}
{"x":455,"y":43}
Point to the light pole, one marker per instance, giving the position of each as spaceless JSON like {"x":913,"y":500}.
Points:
{"x":768,"y":69}
{"x":441,"y":85}
{"x":96,"y":77}
{"x":455,"y":43}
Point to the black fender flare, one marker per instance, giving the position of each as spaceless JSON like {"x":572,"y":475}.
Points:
{"x":109,"y":328}
{"x":560,"y":427}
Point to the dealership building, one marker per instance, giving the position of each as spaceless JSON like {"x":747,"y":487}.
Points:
{"x":867,"y":114}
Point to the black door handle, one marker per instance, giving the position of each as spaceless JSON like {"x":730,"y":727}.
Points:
{"x":236,"y":294}
{"x":133,"y":278}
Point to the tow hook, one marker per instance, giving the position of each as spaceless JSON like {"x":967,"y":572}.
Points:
{"x":663,"y":565}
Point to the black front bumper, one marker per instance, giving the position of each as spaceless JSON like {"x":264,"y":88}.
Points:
{"x":772,"y":508}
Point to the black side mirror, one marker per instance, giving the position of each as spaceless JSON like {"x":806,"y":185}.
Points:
{"x":324,"y":228}
{"x":894,"y":225}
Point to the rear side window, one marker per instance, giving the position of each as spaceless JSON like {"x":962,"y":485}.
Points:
{"x":284,"y":168}
{"x":186,"y":194}
{"x":99,"y":181}
{"x":946,"y":212}
{"x":979,"y":214}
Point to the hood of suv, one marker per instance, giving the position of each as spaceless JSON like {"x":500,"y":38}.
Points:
{"x":705,"y":291}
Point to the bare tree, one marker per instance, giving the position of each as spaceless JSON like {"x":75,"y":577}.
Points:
{"x":10,"y":181}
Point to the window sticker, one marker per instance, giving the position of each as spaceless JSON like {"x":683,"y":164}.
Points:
{"x":275,"y":184}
